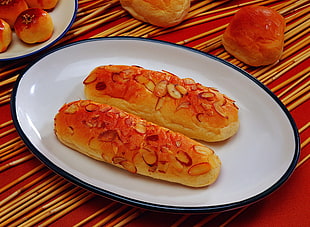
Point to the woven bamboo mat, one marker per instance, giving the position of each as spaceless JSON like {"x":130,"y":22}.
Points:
{"x":39,"y":196}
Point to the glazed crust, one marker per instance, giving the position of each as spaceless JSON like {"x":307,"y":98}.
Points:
{"x":255,"y":35}
{"x":181,"y":105}
{"x":163,"y":13}
{"x":116,"y":137}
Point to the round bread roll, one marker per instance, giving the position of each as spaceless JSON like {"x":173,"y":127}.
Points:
{"x":163,"y":13}
{"x":42,"y":4}
{"x":10,"y":9}
{"x":255,"y":35}
{"x":34,"y":25}
{"x":5,"y":35}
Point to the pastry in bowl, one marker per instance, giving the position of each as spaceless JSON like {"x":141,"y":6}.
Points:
{"x":5,"y":35}
{"x":10,"y":9}
{"x":34,"y":25}
{"x":42,"y":4}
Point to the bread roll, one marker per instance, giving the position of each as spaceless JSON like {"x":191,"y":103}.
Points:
{"x":111,"y":135}
{"x":10,"y":9}
{"x":181,"y":105}
{"x":255,"y":35}
{"x":5,"y":35}
{"x":163,"y":13}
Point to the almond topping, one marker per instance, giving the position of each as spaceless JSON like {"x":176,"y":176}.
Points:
{"x":117,"y":77}
{"x":141,"y":79}
{"x":173,"y":92}
{"x":118,"y":159}
{"x":91,"y":107}
{"x":108,"y":136}
{"x":203,"y":150}
{"x":184,"y":158}
{"x":140,"y":128}
{"x":189,"y":81}
{"x":181,"y":89}
{"x":207,"y":95}
{"x":149,"y":157}
{"x":218,"y":108}
{"x":161,"y":88}
{"x":113,"y":68}
{"x":150,"y":85}
{"x":199,"y":169}
{"x":73,"y":108}
{"x":159,"y":104}
{"x":129,"y":166}
{"x":84,"y":102}
{"x":90,"y":79}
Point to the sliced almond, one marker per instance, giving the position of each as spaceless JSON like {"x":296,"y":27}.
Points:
{"x":209,"y":96}
{"x":118,"y":159}
{"x":91,"y":107}
{"x":184,"y":158}
{"x":181,"y":89}
{"x":160,"y":89}
{"x":73,"y":108}
{"x":150,"y":85}
{"x":218,"y":108}
{"x":159,"y":104}
{"x":199,"y":169}
{"x":149,"y":156}
{"x":140,"y":127}
{"x":90,"y":79}
{"x":129,"y":166}
{"x":203,"y":150}
{"x":173,"y":92}
{"x":189,"y":81}
{"x":108,"y":136}
{"x":141,"y":79}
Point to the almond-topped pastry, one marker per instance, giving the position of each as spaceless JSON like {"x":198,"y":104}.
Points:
{"x":5,"y":35}
{"x":124,"y":140}
{"x":34,"y":25}
{"x":10,"y":9}
{"x":181,"y":105}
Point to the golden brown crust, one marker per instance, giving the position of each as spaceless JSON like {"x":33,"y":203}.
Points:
{"x":181,"y":105}
{"x":255,"y":35}
{"x":163,"y":13}
{"x":126,"y":141}
{"x":34,"y":25}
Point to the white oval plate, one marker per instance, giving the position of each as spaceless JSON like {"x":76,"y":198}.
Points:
{"x":256,"y":161}
{"x":63,"y":16}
